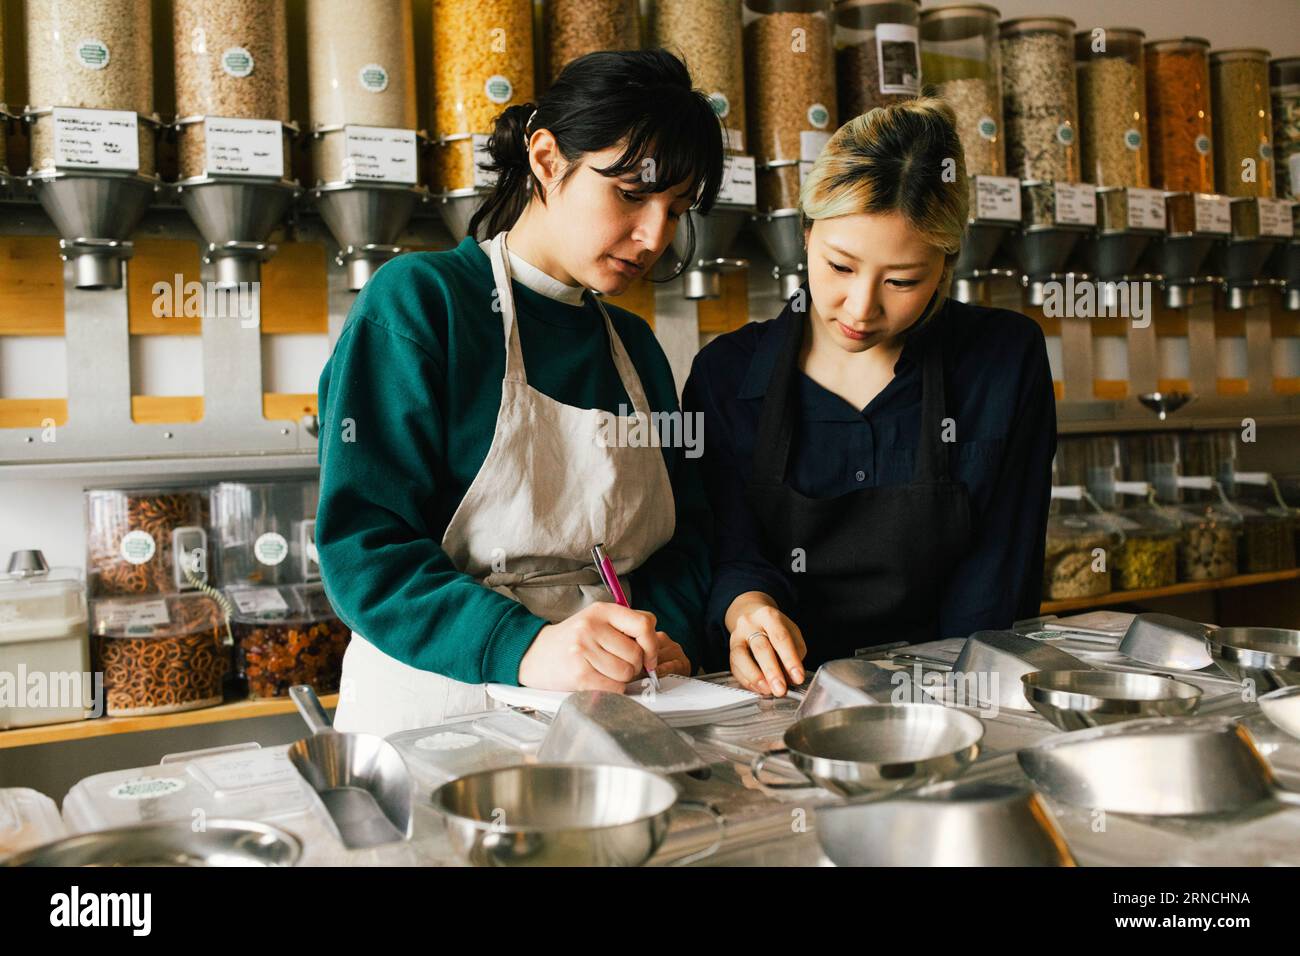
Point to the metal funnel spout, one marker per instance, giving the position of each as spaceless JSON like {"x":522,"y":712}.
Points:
{"x":95,"y":214}
{"x":715,"y":233}
{"x":457,"y":209}
{"x":235,"y":217}
{"x":781,"y":232}
{"x":366,"y":220}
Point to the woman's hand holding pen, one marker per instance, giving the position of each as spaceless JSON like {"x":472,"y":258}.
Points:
{"x":602,"y":647}
{"x":767,"y":648}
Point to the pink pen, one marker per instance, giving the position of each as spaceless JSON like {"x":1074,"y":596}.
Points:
{"x":605,"y":568}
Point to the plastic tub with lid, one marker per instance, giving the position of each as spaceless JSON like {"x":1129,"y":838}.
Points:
{"x":287,"y":635}
{"x":28,"y":818}
{"x":160,"y":654}
{"x":43,"y":635}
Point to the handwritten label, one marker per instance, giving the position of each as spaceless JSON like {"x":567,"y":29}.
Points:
{"x":96,"y":139}
{"x":1146,"y":209}
{"x":1076,"y":204}
{"x":738,"y":184}
{"x":1213,"y":214}
{"x":377,"y":154}
{"x":1275,"y":218}
{"x":244,"y":147}
{"x":997,"y":197}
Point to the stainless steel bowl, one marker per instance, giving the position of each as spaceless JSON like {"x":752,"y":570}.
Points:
{"x":878,"y":747}
{"x":971,"y":824}
{"x":1269,"y":656}
{"x":558,"y":815}
{"x":1073,"y":700}
{"x":220,"y":843}
{"x":1156,"y":768}
{"x":1282,"y":707}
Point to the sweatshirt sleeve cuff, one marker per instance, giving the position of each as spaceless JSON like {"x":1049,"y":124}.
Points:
{"x":509,"y":641}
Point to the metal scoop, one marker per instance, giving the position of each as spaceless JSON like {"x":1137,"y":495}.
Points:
{"x":1167,"y":642}
{"x":1282,"y":707}
{"x":1161,"y":767}
{"x":1073,"y":700}
{"x":594,"y":726}
{"x":360,"y":778}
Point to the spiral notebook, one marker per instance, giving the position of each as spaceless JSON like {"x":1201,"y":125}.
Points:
{"x":680,"y":701}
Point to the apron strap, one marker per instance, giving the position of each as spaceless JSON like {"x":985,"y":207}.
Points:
{"x":780,"y":409}
{"x":623,"y":363}
{"x":505,"y":299}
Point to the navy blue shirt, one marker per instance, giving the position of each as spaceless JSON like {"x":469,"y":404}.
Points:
{"x":999,"y":395}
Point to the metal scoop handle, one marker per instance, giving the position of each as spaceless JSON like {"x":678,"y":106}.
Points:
{"x":313,"y":712}
{"x":760,"y":761}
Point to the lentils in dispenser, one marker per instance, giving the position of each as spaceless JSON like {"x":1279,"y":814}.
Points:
{"x":707,"y":38}
{"x":1243,"y":127}
{"x":574,"y":28}
{"x":361,"y":78}
{"x":95,"y":55}
{"x":1112,"y":107}
{"x":1284,"y":78}
{"x":232,"y":62}
{"x":961,"y":59}
{"x":877,"y":47}
{"x":1180,"y":115}
{"x":1039,"y":99}
{"x":137,"y":540}
{"x":482,"y":64}
{"x":160,"y":655}
{"x":789,"y":93}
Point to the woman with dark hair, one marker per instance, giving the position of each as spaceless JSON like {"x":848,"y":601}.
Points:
{"x":466,"y":467}
{"x":880,"y":455}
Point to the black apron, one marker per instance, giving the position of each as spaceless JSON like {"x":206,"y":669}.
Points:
{"x":876,"y":560}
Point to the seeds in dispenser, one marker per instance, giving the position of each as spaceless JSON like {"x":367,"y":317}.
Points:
{"x":482,"y":64}
{"x":707,"y":38}
{"x":1040,"y":103}
{"x":90,"y":54}
{"x":790,"y":92}
{"x":1178,"y":101}
{"x":1243,"y":127}
{"x":1112,"y":113}
{"x":232,"y":60}
{"x":574,"y":28}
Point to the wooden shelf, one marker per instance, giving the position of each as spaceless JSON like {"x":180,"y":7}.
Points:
{"x":105,"y":726}
{"x":1190,"y":587}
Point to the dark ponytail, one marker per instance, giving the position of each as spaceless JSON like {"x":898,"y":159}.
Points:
{"x":599,"y":100}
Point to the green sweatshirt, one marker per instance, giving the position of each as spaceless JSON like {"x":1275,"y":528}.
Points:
{"x":408,"y":403}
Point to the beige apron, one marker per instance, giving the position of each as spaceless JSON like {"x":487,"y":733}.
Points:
{"x":554,"y":483}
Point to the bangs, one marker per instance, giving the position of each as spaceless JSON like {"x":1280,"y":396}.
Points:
{"x":676,"y":140}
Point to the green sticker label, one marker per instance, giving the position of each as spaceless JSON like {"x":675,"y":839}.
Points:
{"x":1065,"y":134}
{"x":137,"y":547}
{"x":1203,"y":145}
{"x":499,"y":89}
{"x":721,"y":105}
{"x":146,"y":789}
{"x":819,"y":115}
{"x":92,"y":54}
{"x":988,"y":127}
{"x":1133,"y":140}
{"x":237,"y":61}
{"x":271,"y":548}
{"x":374,"y":78}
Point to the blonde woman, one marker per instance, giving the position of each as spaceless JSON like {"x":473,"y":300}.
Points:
{"x":878,"y":457}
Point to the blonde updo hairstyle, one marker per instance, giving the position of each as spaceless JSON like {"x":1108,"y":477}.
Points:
{"x":906,"y":157}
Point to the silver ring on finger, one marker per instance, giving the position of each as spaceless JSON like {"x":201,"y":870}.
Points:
{"x":758,"y":633}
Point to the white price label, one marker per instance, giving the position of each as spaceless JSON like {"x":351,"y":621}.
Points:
{"x":1275,"y":218}
{"x":733,"y":139}
{"x":482,"y":178}
{"x":997,"y":197}
{"x":1146,"y":209}
{"x":377,"y":154}
{"x":244,"y":147}
{"x":1213,"y":214}
{"x":900,"y":65}
{"x":804,"y":169}
{"x":1076,"y":204}
{"x":230,"y":773}
{"x":259,"y":600}
{"x":132,"y":615}
{"x":96,"y":139}
{"x":811,"y":144}
{"x":738,"y":183}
